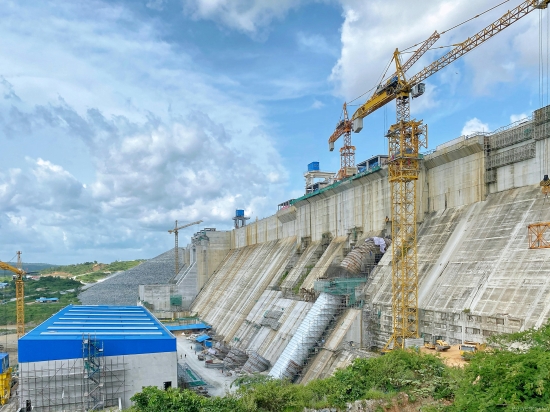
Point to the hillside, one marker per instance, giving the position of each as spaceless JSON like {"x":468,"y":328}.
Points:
{"x":32,"y":267}
{"x":66,"y":290}
{"x":90,"y":272}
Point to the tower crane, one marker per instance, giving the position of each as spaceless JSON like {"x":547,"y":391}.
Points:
{"x":347,"y":152}
{"x":175,"y":232}
{"x":405,"y":138}
{"x":19,"y":294}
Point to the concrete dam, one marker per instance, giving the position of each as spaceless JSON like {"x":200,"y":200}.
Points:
{"x":277,"y":290}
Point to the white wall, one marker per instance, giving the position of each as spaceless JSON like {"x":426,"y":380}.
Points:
{"x":60,"y":383}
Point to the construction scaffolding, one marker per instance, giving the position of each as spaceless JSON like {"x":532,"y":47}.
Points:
{"x":93,"y":379}
{"x":188,"y":378}
{"x":517,"y":154}
{"x":345,"y":287}
{"x":539,"y":235}
{"x":61,"y":385}
{"x":529,"y":129}
{"x":309,"y":337}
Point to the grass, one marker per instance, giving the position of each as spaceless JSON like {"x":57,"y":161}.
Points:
{"x":93,"y":277}
{"x":88,"y":267}
{"x":381,"y":379}
{"x":49,"y":287}
{"x":36,"y":313}
{"x":303,"y":276}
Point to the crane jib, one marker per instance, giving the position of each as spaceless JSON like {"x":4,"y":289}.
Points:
{"x":510,"y":17}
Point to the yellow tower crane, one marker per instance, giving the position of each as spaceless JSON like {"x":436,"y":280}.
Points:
{"x":19,"y":294}
{"x":175,"y":232}
{"x":405,"y":138}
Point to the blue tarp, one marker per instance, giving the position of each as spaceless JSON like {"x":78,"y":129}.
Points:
{"x":202,"y":338}
{"x":192,"y":326}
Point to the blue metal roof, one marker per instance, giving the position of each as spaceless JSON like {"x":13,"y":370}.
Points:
{"x":192,"y":326}
{"x":124,"y":330}
{"x":202,"y":338}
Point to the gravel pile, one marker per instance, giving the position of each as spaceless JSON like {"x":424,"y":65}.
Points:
{"x":123,"y":288}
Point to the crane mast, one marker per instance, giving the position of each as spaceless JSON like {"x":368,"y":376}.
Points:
{"x":405,"y":138}
{"x":347,"y":152}
{"x":19,"y":293}
{"x":175,"y":232}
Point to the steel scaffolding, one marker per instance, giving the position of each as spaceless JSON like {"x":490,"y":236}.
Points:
{"x":539,"y":235}
{"x":93,"y":376}
{"x":61,"y":385}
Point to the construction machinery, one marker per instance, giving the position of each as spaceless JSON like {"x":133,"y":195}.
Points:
{"x":19,"y":293}
{"x":437,"y":343}
{"x":441,"y":345}
{"x":347,"y":152}
{"x":175,"y":232}
{"x":5,"y":378}
{"x":469,"y":348}
{"x":405,"y":138}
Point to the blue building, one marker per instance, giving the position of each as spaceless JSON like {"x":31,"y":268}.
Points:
{"x":47,"y":300}
{"x":87,"y":357}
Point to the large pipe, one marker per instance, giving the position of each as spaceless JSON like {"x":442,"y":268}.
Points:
{"x":306,"y":337}
{"x":365,"y":253}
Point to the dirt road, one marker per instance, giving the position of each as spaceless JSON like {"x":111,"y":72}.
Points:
{"x":451,"y":357}
{"x":218,"y":383}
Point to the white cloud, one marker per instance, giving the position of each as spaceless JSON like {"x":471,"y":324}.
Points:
{"x":248,"y":16}
{"x":315,"y":43}
{"x":163,"y":140}
{"x":518,"y":117}
{"x":156,"y":4}
{"x":317,"y":104}
{"x":371,"y":32}
{"x":474,"y":125}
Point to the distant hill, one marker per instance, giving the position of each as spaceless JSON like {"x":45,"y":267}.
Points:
{"x":91,"y":267}
{"x":34,"y":267}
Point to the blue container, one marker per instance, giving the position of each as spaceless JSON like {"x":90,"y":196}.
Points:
{"x":208,"y":344}
{"x":4,"y":362}
{"x":239,"y":213}
{"x":313,"y":166}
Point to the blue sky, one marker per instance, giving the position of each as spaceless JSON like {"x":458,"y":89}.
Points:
{"x":119,"y":117}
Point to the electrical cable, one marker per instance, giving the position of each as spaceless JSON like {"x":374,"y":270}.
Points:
{"x":373,"y":87}
{"x":475,"y":17}
{"x":404,"y":51}
{"x":432,"y":48}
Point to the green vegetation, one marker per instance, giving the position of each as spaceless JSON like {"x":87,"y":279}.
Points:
{"x":88,"y":267}
{"x":36,"y":313}
{"x":93,"y":277}
{"x":514,"y":376}
{"x":90,"y":272}
{"x":35,"y":267}
{"x":48,"y":286}
{"x":303,"y":276}
{"x":377,"y":378}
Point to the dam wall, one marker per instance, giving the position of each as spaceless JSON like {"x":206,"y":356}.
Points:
{"x":475,"y":197}
{"x":357,"y":205}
